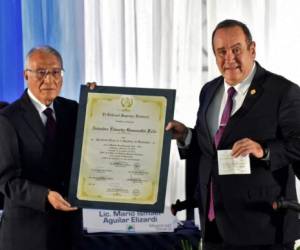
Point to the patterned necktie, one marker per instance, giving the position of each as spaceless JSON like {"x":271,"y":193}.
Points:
{"x":217,"y":138}
{"x":50,"y":124}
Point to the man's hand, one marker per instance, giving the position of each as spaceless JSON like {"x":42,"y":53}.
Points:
{"x":91,"y":85}
{"x":246,"y":146}
{"x":179,"y":130}
{"x":59,"y":203}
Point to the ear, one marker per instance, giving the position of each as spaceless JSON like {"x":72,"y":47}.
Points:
{"x":25,"y":74}
{"x":253,"y":49}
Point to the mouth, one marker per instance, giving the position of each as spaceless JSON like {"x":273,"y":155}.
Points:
{"x":231,"y":68}
{"x":47,"y":89}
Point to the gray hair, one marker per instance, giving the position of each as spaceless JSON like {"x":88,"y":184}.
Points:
{"x":47,"y":49}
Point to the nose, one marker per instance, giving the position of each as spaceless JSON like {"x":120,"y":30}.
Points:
{"x":229,"y":57}
{"x":48,"y":78}
{"x":49,"y":73}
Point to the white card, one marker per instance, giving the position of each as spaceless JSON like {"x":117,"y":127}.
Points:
{"x":229,"y":165}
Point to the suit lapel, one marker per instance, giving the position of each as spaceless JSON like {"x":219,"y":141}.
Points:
{"x":60,"y":115}
{"x":32,"y":117}
{"x":209,"y":95}
{"x":254,"y":93}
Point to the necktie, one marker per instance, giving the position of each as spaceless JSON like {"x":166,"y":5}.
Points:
{"x":225,"y":116}
{"x":217,"y":138}
{"x":50,"y":124}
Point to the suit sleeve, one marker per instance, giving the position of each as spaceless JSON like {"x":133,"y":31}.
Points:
{"x":285,"y":149}
{"x":15,"y":188}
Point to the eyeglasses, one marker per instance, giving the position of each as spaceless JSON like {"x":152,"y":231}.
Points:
{"x":42,"y":73}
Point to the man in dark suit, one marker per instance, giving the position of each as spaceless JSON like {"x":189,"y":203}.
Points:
{"x":35,"y":160}
{"x":2,"y":105}
{"x":263,"y":123}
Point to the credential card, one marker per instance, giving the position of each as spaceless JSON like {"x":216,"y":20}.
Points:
{"x":229,"y":165}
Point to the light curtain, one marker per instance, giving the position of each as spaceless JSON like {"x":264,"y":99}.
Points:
{"x":60,"y":24}
{"x":152,"y":44}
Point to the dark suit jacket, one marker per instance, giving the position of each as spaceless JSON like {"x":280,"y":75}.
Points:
{"x":2,"y":105}
{"x":27,"y":171}
{"x":270,"y":116}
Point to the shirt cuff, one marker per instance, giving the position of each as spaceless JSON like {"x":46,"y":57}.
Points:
{"x":187,"y":141}
{"x":266,"y":156}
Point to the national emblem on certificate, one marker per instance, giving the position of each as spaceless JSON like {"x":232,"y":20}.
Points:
{"x":121,"y":151}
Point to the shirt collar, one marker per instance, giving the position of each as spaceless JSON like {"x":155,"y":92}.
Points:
{"x":242,"y":87}
{"x":37,"y":104}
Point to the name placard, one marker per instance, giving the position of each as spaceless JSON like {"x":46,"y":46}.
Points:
{"x":117,"y":221}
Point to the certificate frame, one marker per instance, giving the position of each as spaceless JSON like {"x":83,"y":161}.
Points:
{"x":79,"y":166}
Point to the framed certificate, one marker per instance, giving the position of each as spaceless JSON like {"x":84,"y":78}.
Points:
{"x":121,"y":153}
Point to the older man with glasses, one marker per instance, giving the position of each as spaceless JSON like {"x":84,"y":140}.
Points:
{"x":37,"y":136}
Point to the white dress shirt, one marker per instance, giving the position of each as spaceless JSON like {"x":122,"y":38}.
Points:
{"x":40,"y":107}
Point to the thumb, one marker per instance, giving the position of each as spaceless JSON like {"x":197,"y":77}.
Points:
{"x":169,"y":126}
